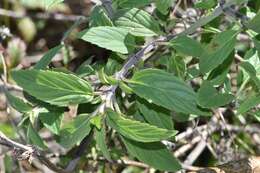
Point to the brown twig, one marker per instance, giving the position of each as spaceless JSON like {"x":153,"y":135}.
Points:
{"x":184,"y":148}
{"x":247,"y":165}
{"x":176,"y":6}
{"x":24,"y":152}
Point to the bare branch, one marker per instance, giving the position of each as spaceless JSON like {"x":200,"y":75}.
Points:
{"x":24,"y":152}
{"x":247,"y":165}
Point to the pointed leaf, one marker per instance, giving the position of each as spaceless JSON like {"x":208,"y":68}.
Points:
{"x":96,"y":121}
{"x":155,"y":115}
{"x":138,"y":22}
{"x":75,"y":131}
{"x":136,"y":130}
{"x":205,"y":4}
{"x":54,"y":87}
{"x":219,"y":74}
{"x":218,"y":50}
{"x":248,"y":104}
{"x":50,"y":3}
{"x":99,"y":17}
{"x":34,"y":137}
{"x":101,"y":142}
{"x":51,"y":120}
{"x":164,"y":5}
{"x":154,"y":154}
{"x":257,"y":45}
{"x":18,"y":103}
{"x":187,"y":46}
{"x":108,"y":37}
{"x":177,"y":65}
{"x":134,"y":3}
{"x":254,"y":24}
{"x":46,"y":59}
{"x":250,"y":69}
{"x":165,"y":90}
{"x":210,"y":98}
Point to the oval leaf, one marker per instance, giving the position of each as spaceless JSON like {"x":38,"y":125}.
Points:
{"x":218,"y":50}
{"x":99,"y":17}
{"x":136,"y":130}
{"x":54,"y":87}
{"x":164,"y":5}
{"x":254,"y":24}
{"x":75,"y":131}
{"x":46,"y":59}
{"x":155,"y":115}
{"x":210,"y":98}
{"x":165,"y":90}
{"x":50,"y":3}
{"x":100,"y":135}
{"x":51,"y":120}
{"x":248,"y":104}
{"x":138,"y":22}
{"x":187,"y":46}
{"x":134,"y":3}
{"x":34,"y":137}
{"x":18,"y":103}
{"x":108,"y":37}
{"x":154,"y":154}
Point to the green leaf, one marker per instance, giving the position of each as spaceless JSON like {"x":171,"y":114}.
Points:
{"x":41,"y":3}
{"x":137,"y":22}
{"x":104,"y":78}
{"x":219,"y":74}
{"x":125,"y":88}
{"x":155,"y":115}
{"x":136,"y":130}
{"x":18,"y":103}
{"x":75,"y":131}
{"x":96,"y":121}
{"x":99,"y":17}
{"x":51,"y":120}
{"x":154,"y":154}
{"x":250,"y":69}
{"x":218,"y":50}
{"x":177,"y":65}
{"x":32,"y":3}
{"x":166,"y":90}
{"x":254,"y":24}
{"x":133,"y":3}
{"x":54,"y":87}
{"x":101,"y":142}
{"x":257,"y":115}
{"x":46,"y":59}
{"x":163,"y":5}
{"x":50,"y":3}
{"x":34,"y":137}
{"x":257,"y":45}
{"x":85,"y":68}
{"x":187,"y":46}
{"x":248,"y":104}
{"x":210,"y":98}
{"x":108,"y":37}
{"x":8,"y":130}
{"x":205,"y":4}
